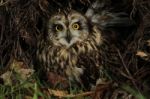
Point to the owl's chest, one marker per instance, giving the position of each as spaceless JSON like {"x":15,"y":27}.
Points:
{"x":73,"y":59}
{"x":74,"y":65}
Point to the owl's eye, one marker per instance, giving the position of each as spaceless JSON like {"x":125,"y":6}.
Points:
{"x":76,"y":26}
{"x":58,"y":28}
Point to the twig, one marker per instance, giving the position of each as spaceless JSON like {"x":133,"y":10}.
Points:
{"x":63,"y":94}
{"x":3,"y":3}
{"x":128,"y":72}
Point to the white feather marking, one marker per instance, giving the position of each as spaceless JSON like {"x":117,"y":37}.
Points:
{"x":98,"y":36}
{"x":77,"y":72}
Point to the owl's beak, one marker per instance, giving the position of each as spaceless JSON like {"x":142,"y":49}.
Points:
{"x":68,"y":37}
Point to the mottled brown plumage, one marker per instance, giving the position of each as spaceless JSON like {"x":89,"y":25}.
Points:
{"x":80,"y":61}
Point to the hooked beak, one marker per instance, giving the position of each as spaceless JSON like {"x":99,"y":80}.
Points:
{"x":68,"y":36}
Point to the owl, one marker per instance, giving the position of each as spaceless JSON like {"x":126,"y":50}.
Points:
{"x":72,"y":48}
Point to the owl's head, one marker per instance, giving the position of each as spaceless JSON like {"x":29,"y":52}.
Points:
{"x":67,"y":29}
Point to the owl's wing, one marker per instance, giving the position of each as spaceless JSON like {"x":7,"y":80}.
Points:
{"x":95,"y":6}
{"x":106,"y":19}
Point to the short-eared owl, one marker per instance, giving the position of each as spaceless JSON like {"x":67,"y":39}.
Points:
{"x":72,"y":48}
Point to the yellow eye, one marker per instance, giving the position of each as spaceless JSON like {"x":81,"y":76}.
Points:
{"x":75,"y":26}
{"x":58,"y":28}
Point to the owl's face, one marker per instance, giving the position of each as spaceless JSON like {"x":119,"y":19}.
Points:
{"x":67,"y":29}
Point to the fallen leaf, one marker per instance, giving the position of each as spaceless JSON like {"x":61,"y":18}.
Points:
{"x":141,"y":54}
{"x":18,"y":72}
{"x":57,"y":93}
{"x":25,"y":73}
{"x":7,"y":78}
{"x":16,"y":65}
{"x":55,"y":79}
{"x":65,"y":94}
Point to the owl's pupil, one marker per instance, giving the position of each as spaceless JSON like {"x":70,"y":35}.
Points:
{"x":75,"y":26}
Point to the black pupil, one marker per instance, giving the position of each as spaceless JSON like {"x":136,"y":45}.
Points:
{"x":59,"y":27}
{"x":75,"y":26}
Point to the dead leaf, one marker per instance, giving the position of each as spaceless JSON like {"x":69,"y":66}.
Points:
{"x":17,"y":72}
{"x":21,"y":69}
{"x":16,"y":65}
{"x":57,"y":93}
{"x":25,"y":73}
{"x":7,"y":78}
{"x":65,"y":94}
{"x":55,"y":79}
{"x":94,"y":94}
{"x":141,"y":54}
